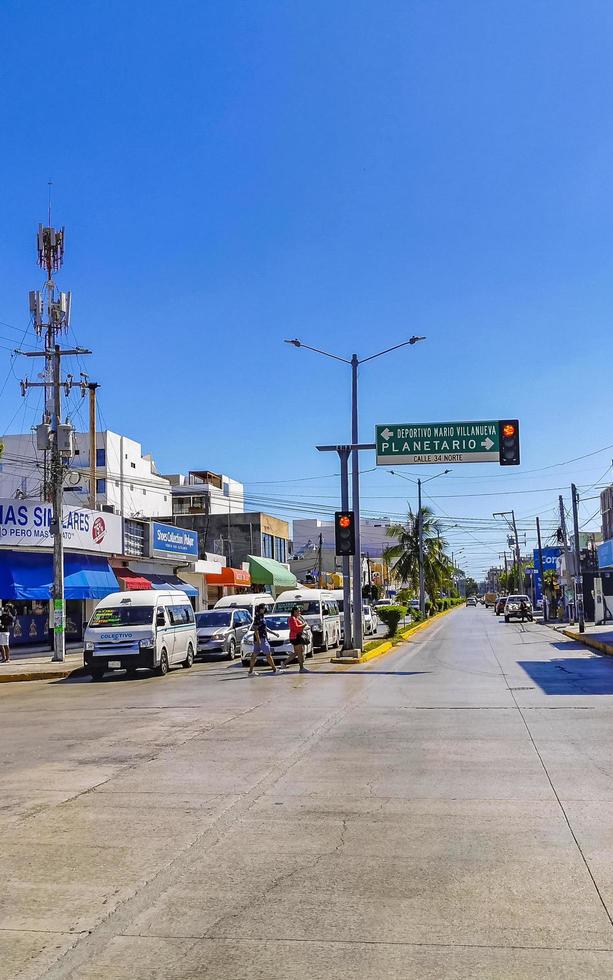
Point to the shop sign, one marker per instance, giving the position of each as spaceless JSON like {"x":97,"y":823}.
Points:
{"x":27,"y":524}
{"x":177,"y":542}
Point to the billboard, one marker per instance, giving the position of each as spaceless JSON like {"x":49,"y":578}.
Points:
{"x":27,"y":524}
{"x":550,"y":557}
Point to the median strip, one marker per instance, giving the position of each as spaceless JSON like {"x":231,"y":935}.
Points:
{"x":388,"y":645}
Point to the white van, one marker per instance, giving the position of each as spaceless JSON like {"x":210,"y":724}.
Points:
{"x":149,"y":629}
{"x":248,"y":601}
{"x":320,"y":610}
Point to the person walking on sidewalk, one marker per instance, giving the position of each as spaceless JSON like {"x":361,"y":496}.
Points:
{"x":260,"y":640}
{"x":296,"y":637}
{"x":7,"y":621}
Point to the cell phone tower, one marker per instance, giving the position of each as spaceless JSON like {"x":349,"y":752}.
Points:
{"x":50,"y":253}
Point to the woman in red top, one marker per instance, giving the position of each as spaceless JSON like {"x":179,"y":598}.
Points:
{"x":296,"y":628}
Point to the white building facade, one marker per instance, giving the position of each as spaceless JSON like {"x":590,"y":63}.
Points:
{"x":205,"y":492}
{"x":127,"y":481}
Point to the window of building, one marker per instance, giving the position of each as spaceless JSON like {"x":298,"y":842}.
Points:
{"x":144,"y":493}
{"x":131,"y":486}
{"x":165,"y":498}
{"x":100,"y":486}
{"x":133,"y":465}
{"x":100,"y":457}
{"x":226,"y":489}
{"x":268,"y":548}
{"x":116,"y":483}
{"x":135,"y":538}
{"x":280,"y":549}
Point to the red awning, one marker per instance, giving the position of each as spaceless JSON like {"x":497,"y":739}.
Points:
{"x":230,"y":576}
{"x":130,"y":581}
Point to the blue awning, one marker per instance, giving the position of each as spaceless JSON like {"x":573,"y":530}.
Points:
{"x":29,"y":575}
{"x":170,"y":583}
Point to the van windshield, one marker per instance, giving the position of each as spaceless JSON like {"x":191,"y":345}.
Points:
{"x":306,"y":608}
{"x":122,"y":616}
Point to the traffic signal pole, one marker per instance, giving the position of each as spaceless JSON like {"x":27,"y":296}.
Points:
{"x":355,"y":500}
{"x":347,"y":642}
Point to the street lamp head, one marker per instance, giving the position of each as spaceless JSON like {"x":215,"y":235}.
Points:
{"x":414,"y":340}
{"x":296,"y":343}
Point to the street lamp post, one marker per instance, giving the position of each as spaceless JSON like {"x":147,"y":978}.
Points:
{"x":354,"y":363}
{"x":420,"y":534}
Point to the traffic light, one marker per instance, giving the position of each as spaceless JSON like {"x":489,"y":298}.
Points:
{"x":508,"y":434}
{"x":344,"y":532}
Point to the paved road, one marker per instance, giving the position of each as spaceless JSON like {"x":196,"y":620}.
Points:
{"x":445,"y":811}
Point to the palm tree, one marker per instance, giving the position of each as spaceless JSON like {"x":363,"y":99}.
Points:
{"x":404,"y":555}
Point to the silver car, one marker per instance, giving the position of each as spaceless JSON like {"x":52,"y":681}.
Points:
{"x":221,"y":631}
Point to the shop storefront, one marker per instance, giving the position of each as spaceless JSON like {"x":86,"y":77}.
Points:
{"x":26,"y":581}
{"x":228,"y":581}
{"x":273,"y":575}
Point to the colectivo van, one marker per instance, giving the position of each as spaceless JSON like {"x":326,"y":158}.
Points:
{"x":320,"y":610}
{"x":151,"y":629}
{"x":248,"y":600}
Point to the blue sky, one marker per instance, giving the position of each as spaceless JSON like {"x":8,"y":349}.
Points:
{"x":231,"y":174}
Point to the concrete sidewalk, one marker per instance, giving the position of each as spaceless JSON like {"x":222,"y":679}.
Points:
{"x":598,"y":638}
{"x":35,"y":664}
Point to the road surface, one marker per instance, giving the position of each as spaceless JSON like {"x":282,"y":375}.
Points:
{"x":444,"y":811}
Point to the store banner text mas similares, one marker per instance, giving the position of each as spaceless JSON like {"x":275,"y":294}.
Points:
{"x":27,"y":524}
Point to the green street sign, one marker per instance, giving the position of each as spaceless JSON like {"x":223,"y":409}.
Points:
{"x":438,"y":442}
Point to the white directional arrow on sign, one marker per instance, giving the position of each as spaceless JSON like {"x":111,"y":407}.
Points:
{"x":387,"y":433}
{"x":487,"y":443}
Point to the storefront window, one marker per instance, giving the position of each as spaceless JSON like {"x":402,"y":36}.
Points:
{"x":281,"y":550}
{"x":268,"y":546}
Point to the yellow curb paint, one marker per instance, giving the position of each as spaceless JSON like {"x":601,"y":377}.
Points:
{"x":41,"y":675}
{"x":589,"y":642}
{"x":388,"y":645}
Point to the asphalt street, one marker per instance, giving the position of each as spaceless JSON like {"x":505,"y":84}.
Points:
{"x":443,"y":811}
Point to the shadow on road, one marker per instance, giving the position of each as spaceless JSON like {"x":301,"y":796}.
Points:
{"x":572,"y":675}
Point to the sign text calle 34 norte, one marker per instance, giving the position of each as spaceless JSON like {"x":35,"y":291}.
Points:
{"x":443,"y":442}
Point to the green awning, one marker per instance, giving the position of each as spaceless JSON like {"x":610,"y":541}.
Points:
{"x":267,"y":571}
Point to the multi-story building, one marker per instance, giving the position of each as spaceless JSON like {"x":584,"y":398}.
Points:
{"x":127,"y":481}
{"x":204,"y":492}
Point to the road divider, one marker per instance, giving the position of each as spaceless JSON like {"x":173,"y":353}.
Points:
{"x":387,"y":645}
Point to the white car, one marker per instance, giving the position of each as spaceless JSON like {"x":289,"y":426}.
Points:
{"x":512,"y":607}
{"x":280,"y":645}
{"x":370,"y":619}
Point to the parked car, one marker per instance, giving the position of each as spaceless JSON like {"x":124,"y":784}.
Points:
{"x":499,"y":605}
{"x":280,"y":645}
{"x":148,"y":629}
{"x":513,"y":607}
{"x":471,"y":601}
{"x":222,"y":631}
{"x":370,"y":619}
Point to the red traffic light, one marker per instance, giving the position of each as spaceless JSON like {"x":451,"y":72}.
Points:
{"x":344,"y":521}
{"x":508,"y":430}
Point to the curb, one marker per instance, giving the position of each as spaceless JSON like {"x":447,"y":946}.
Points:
{"x":587,"y":641}
{"x":42,"y":675}
{"x":387,"y":645}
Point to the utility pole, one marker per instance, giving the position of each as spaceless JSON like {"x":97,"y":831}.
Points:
{"x":517,"y":554}
{"x":578,"y":575}
{"x":420,"y":540}
{"x":541,"y":572}
{"x":91,"y":387}
{"x":52,"y":434}
{"x":564,"y":539}
{"x":320,"y":560}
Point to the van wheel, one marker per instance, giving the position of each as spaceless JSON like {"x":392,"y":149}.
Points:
{"x":162,"y":669}
{"x":189,"y":660}
{"x":231,"y":649}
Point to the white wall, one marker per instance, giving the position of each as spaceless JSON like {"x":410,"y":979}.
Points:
{"x":145,"y":494}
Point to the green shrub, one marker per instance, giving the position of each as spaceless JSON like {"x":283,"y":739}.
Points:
{"x":391,"y":616}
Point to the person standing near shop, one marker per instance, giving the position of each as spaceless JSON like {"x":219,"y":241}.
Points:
{"x":260,"y":640}
{"x":296,"y":637}
{"x":7,"y":621}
